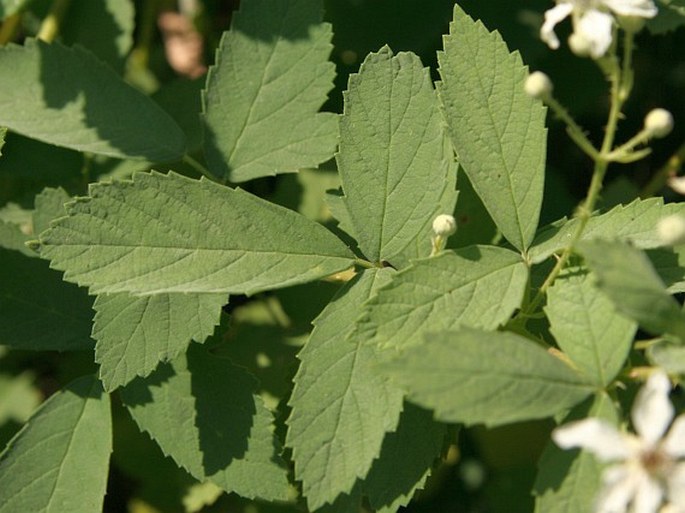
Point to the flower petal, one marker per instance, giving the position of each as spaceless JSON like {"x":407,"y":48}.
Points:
{"x":620,"y":484}
{"x":552,"y":17}
{"x":595,"y":27}
{"x":596,"y":436}
{"x":676,"y":486}
{"x":674,"y":443}
{"x":648,"y":495}
{"x":641,"y":8}
{"x":652,"y":411}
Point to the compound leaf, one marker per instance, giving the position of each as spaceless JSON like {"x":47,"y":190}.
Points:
{"x":587,"y":327}
{"x":490,"y":377}
{"x":271,"y":76}
{"x":634,"y":223}
{"x":393,"y":161}
{"x":67,"y":97}
{"x":497,"y":131}
{"x":134,"y":334}
{"x":59,"y":460}
{"x":478,"y":286}
{"x":204,"y":413}
{"x":341,"y":406}
{"x":167,"y":233}
{"x":627,"y":277}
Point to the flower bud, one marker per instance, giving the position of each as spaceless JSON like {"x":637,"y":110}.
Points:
{"x":580,"y":45}
{"x":444,"y":225}
{"x":538,"y":85}
{"x":677,"y":183}
{"x":659,"y":123}
{"x":671,"y":229}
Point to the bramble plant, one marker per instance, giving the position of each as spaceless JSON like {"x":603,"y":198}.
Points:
{"x":340,"y":337}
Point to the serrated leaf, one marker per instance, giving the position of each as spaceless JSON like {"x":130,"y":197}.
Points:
{"x":634,"y":223}
{"x":58,"y":462}
{"x":497,"y":130}
{"x":587,"y":327}
{"x":168,"y":233}
{"x":39,"y":311}
{"x":49,"y":205}
{"x":569,"y":481}
{"x":489,"y":377}
{"x":478,"y":286}
{"x":627,"y":277}
{"x":392,"y":160}
{"x":405,"y":461}
{"x":105,"y":28}
{"x":134,"y":334}
{"x":341,"y":407}
{"x":204,"y":413}
{"x":67,"y":97}
{"x":271,"y":76}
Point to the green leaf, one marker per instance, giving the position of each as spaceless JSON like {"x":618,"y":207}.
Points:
{"x":627,"y":277}
{"x":474,"y":376}
{"x":634,"y":223}
{"x":478,"y":286}
{"x":667,"y":355}
{"x":669,"y":263}
{"x":341,"y":406}
{"x":18,"y":397}
{"x":393,"y":159}
{"x":12,"y":237}
{"x":497,"y":131}
{"x":569,"y":481}
{"x":39,"y":311}
{"x":167,"y":233}
{"x":271,"y":76}
{"x":204,"y":413}
{"x":134,"y":334}
{"x":405,"y":461}
{"x":587,"y":327}
{"x":671,"y":16}
{"x":49,"y":205}
{"x":67,"y":97}
{"x":58,"y":462}
{"x":105,"y":28}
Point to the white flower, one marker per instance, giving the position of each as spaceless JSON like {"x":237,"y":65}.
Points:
{"x":592,"y":21}
{"x":646,"y":471}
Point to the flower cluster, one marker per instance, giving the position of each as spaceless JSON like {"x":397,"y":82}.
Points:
{"x":645,"y":472}
{"x":593,"y":22}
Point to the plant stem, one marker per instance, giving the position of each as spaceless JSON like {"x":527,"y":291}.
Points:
{"x":584,"y":212}
{"x":198,"y":167}
{"x":669,"y":169}
{"x":49,"y":29}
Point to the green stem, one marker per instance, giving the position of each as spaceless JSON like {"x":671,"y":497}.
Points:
{"x":669,"y":169}
{"x":574,"y":130}
{"x":49,"y":29}
{"x":584,"y":212}
{"x":365,"y":263}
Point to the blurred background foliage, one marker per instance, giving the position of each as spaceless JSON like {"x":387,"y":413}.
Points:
{"x":483,"y":470}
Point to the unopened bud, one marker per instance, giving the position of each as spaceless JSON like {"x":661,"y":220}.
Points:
{"x":671,"y":229}
{"x":444,"y":225}
{"x":659,"y":123}
{"x":538,"y":85}
{"x":580,"y":45}
{"x":677,"y":183}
